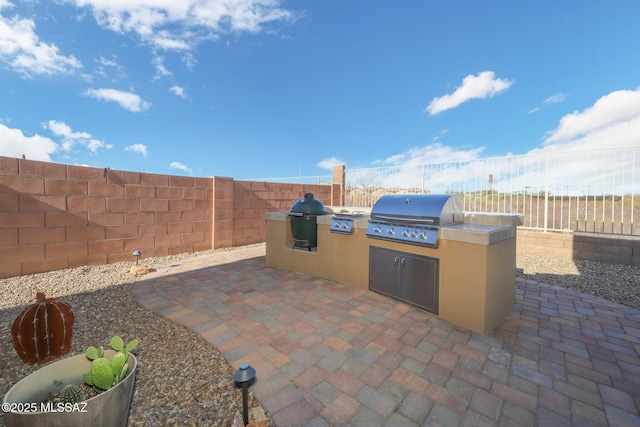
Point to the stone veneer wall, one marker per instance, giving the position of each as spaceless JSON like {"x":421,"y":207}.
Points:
{"x":55,"y":216}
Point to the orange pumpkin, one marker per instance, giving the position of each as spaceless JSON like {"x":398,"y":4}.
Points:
{"x":42,"y":331}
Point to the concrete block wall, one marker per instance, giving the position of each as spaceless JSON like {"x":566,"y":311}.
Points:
{"x":252,"y":200}
{"x":55,"y":216}
{"x":611,"y":249}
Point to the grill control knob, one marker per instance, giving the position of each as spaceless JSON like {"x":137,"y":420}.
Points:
{"x":423,"y":236}
{"x":406,"y":233}
{"x":414,"y":234}
{"x":345,"y":225}
{"x":391,"y":231}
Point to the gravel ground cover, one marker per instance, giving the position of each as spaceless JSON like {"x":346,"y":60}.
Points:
{"x":182,"y":379}
{"x":613,"y":282}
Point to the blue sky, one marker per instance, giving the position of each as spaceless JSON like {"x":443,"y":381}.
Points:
{"x":269,"y":88}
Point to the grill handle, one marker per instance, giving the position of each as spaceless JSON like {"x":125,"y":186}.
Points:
{"x":402,"y":265}
{"x":395,"y":218}
{"x":395,"y":264}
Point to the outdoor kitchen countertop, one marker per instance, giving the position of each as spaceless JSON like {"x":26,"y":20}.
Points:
{"x":480,"y":234}
{"x":482,"y":228}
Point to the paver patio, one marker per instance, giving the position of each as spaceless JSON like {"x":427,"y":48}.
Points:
{"x":327,"y":354}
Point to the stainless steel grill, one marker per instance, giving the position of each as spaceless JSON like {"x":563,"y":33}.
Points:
{"x":342,"y":222}
{"x":414,"y":218}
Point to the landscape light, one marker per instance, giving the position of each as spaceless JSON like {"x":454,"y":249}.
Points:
{"x":243,"y":378}
{"x":137,"y":254}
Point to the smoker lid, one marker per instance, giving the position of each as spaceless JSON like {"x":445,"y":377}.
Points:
{"x":432,"y":208}
{"x":308,"y":206}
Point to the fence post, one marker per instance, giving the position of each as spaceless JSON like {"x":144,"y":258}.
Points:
{"x":546,"y":192}
{"x":338,"y":186}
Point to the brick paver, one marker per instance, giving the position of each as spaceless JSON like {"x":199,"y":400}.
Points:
{"x":329,"y":355}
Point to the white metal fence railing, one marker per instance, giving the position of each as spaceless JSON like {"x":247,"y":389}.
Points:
{"x":594,"y":191}
{"x":310,"y":180}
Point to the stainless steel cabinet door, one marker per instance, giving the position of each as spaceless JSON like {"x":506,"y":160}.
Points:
{"x":419,"y":281}
{"x":384,"y":266}
{"x":408,"y":277}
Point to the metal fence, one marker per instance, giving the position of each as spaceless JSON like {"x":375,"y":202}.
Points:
{"x":595,"y":191}
{"x":310,"y":180}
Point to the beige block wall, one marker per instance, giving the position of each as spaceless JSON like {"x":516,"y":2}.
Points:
{"x":476,"y":285}
{"x":340,"y":257}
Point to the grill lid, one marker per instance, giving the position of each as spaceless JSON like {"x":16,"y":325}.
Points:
{"x":427,"y":209}
{"x":308,"y":206}
{"x":413,"y":218}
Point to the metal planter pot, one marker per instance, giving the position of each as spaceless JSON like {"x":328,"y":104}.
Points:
{"x":108,"y":409}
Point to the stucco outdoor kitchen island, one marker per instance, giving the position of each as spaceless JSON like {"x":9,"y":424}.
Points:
{"x":474,"y":263}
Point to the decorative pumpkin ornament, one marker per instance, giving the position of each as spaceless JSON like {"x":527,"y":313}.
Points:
{"x":42,"y":331}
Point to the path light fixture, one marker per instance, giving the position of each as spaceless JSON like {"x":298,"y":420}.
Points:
{"x":137,"y":254}
{"x":243,"y":377}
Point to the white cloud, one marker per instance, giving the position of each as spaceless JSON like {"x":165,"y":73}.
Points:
{"x":405,"y":170}
{"x":483,"y":85}
{"x":430,"y":154}
{"x":137,"y":148}
{"x":330,"y":162}
{"x":94,"y":144}
{"x":106,"y":67}
{"x":24,"y":52}
{"x":161,"y":70}
{"x":13,"y":143}
{"x":71,"y":138}
{"x":576,"y":160}
{"x":556,"y":99}
{"x":553,"y":99}
{"x":127,"y":100}
{"x":180,"y":25}
{"x":178,"y":91}
{"x":164,"y":41}
{"x":64,"y":130}
{"x":189,"y":61}
{"x":107,"y":62}
{"x":180,"y":166}
{"x":612,"y":121}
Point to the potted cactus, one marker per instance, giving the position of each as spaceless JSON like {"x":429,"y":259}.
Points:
{"x":109,"y":373}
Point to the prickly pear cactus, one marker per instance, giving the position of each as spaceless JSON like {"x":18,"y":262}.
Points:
{"x":118,"y":362}
{"x":117,"y":343}
{"x":105,"y":374}
{"x":71,"y":393}
{"x":43,"y":331}
{"x":101,"y":374}
{"x":93,"y":353}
